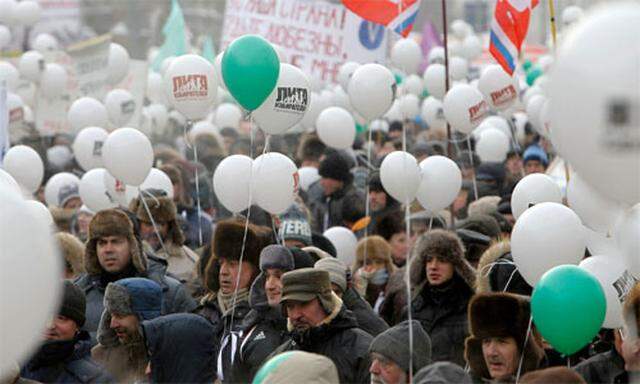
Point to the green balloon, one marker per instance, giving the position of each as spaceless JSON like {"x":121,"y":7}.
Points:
{"x":398,"y":78}
{"x":361,"y":128}
{"x":568,"y":307}
{"x":533,"y":74}
{"x":527,"y":64}
{"x":250,"y":69}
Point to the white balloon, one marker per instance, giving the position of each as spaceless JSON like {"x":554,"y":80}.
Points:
{"x":10,"y":74}
{"x":498,"y":88}
{"x":55,"y":183}
{"x":118,"y":64}
{"x":345,"y":72}
{"x":218,"y":66}
{"x":93,"y":190}
{"x":599,"y":244}
{"x":409,"y":106}
{"x":191,"y":85}
{"x":308,"y":176}
{"x":5,"y":36}
{"x":27,"y":12}
{"x":15,"y":107}
{"x":203,"y":127}
{"x":471,"y":47}
{"x":461,"y":29}
{"x":596,"y":211}
{"x":127,"y":155}
{"x":228,"y":115}
{"x":414,"y":84}
{"x":433,"y":114}
{"x":345,"y":243}
{"x":492,"y":146}
{"x":159,"y":117}
{"x":593,"y":111}
{"x":8,"y":183}
{"x":530,"y":92}
{"x":120,"y":106}
{"x":156,"y":179}
{"x":372,"y":89}
{"x":616,"y":283}
{"x":87,"y":147}
{"x":400,"y":176}
{"x":32,"y":270}
{"x":394,"y":113}
{"x":44,"y":43}
{"x":25,"y":165}
{"x":274,"y":181}
{"x":571,"y":14}
{"x":627,"y":239}
{"x":7,"y":8}
{"x":434,"y":80}
{"x":31,"y":65}
{"x":436,"y":55}
{"x":40,"y":211}
{"x":87,"y":112}
{"x":341,"y":99}
{"x":336,"y":128}
{"x":440,"y":184}
{"x":287,"y":104}
{"x":458,"y":68}
{"x":165,"y":65}
{"x":318,"y":104}
{"x":535,"y":188}
{"x":232,"y":182}
{"x":534,"y":107}
{"x":53,"y":81}
{"x":406,"y":54}
{"x":118,"y":192}
{"x":155,"y":88}
{"x":464,"y":107}
{"x":545,"y":236}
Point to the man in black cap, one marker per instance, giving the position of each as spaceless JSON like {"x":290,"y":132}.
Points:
{"x":337,"y":184}
{"x":64,"y":357}
{"x":318,"y":322}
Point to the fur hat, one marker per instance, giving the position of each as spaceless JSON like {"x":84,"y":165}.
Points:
{"x":163,"y":210}
{"x":112,"y":222}
{"x":227,"y":244}
{"x":73,"y":252}
{"x":446,"y":246}
{"x":484,"y":206}
{"x":501,"y":315}
{"x":481,"y":223}
{"x":134,"y":296}
{"x":377,"y":249}
{"x":561,"y":375}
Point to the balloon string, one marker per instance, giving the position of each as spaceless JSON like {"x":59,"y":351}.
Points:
{"x":153,"y":222}
{"x":473,"y":166}
{"x":367,"y":206}
{"x":526,"y":340}
{"x":408,"y":284}
{"x":195,"y":159}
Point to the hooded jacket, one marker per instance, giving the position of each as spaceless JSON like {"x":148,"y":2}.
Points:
{"x":330,"y":207}
{"x":497,"y":272}
{"x":143,"y":264}
{"x":182,"y":349}
{"x":339,"y":339}
{"x":367,"y":319}
{"x":65,"y":362}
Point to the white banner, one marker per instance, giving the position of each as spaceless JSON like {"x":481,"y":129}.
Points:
{"x":90,"y":63}
{"x":316,"y":36}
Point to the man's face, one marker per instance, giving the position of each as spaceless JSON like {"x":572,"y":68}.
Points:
{"x":229,"y":272}
{"x":149,"y":235}
{"x":305,"y":315}
{"x":461,"y":200}
{"x":125,"y":327}
{"x":467,"y":173}
{"x":336,"y":289}
{"x":533,"y":166}
{"x":273,"y":285}
{"x":73,"y":203}
{"x":385,"y":371}
{"x":514,"y":165}
{"x":418,"y":227}
{"x":629,"y":347}
{"x":61,"y":328}
{"x":377,"y":200}
{"x":114,"y":253}
{"x":330,"y":186}
{"x":438,"y":271}
{"x":399,"y":246}
{"x":501,"y":357}
{"x":290,"y":243}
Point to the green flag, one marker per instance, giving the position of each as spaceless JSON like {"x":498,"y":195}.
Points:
{"x":207,"y":49}
{"x":175,"y":36}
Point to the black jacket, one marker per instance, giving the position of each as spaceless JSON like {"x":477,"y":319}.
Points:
{"x":182,"y":349}
{"x":367,"y":319}
{"x":340,"y":340}
{"x":607,"y":367}
{"x":331,"y":206}
{"x":65,"y":362}
{"x":443,"y":315}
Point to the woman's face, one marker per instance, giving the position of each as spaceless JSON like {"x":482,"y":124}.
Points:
{"x":399,"y":247}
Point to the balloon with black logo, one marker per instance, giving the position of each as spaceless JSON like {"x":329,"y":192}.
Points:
{"x":191,"y":86}
{"x":120,"y":106}
{"x":87,"y":147}
{"x":288,"y":102}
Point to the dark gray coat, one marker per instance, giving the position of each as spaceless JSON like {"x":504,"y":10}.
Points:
{"x":367,"y":319}
{"x":607,"y":367}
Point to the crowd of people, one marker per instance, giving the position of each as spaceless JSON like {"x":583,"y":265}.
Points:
{"x":181,"y":290}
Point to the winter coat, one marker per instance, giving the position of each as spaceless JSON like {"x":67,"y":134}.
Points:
{"x":367,"y":319}
{"x":394,"y":305}
{"x":65,"y":362}
{"x":496,"y":269}
{"x":190,"y":224}
{"x":330,"y":207}
{"x":607,"y":367}
{"x":182,"y":349}
{"x":227,"y":331}
{"x":181,"y":260}
{"x":126,"y":363}
{"x":339,"y":339}
{"x":175,"y":297}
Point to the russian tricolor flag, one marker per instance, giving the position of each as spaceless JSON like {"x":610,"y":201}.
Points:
{"x":397,"y":15}
{"x":508,"y":30}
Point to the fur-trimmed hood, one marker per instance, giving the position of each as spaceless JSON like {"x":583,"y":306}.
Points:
{"x":72,"y":250}
{"x":112,"y":222}
{"x":501,"y":315}
{"x":445,"y":245}
{"x":489,"y":257}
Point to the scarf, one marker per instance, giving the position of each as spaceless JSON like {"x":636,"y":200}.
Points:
{"x":226,"y":301}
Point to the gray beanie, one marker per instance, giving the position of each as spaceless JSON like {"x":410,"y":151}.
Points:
{"x":394,"y":345}
{"x":276,"y":256}
{"x":337,"y":271}
{"x":442,"y":372}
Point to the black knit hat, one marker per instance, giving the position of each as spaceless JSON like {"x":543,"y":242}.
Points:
{"x":74,"y":303}
{"x":335,"y":166}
